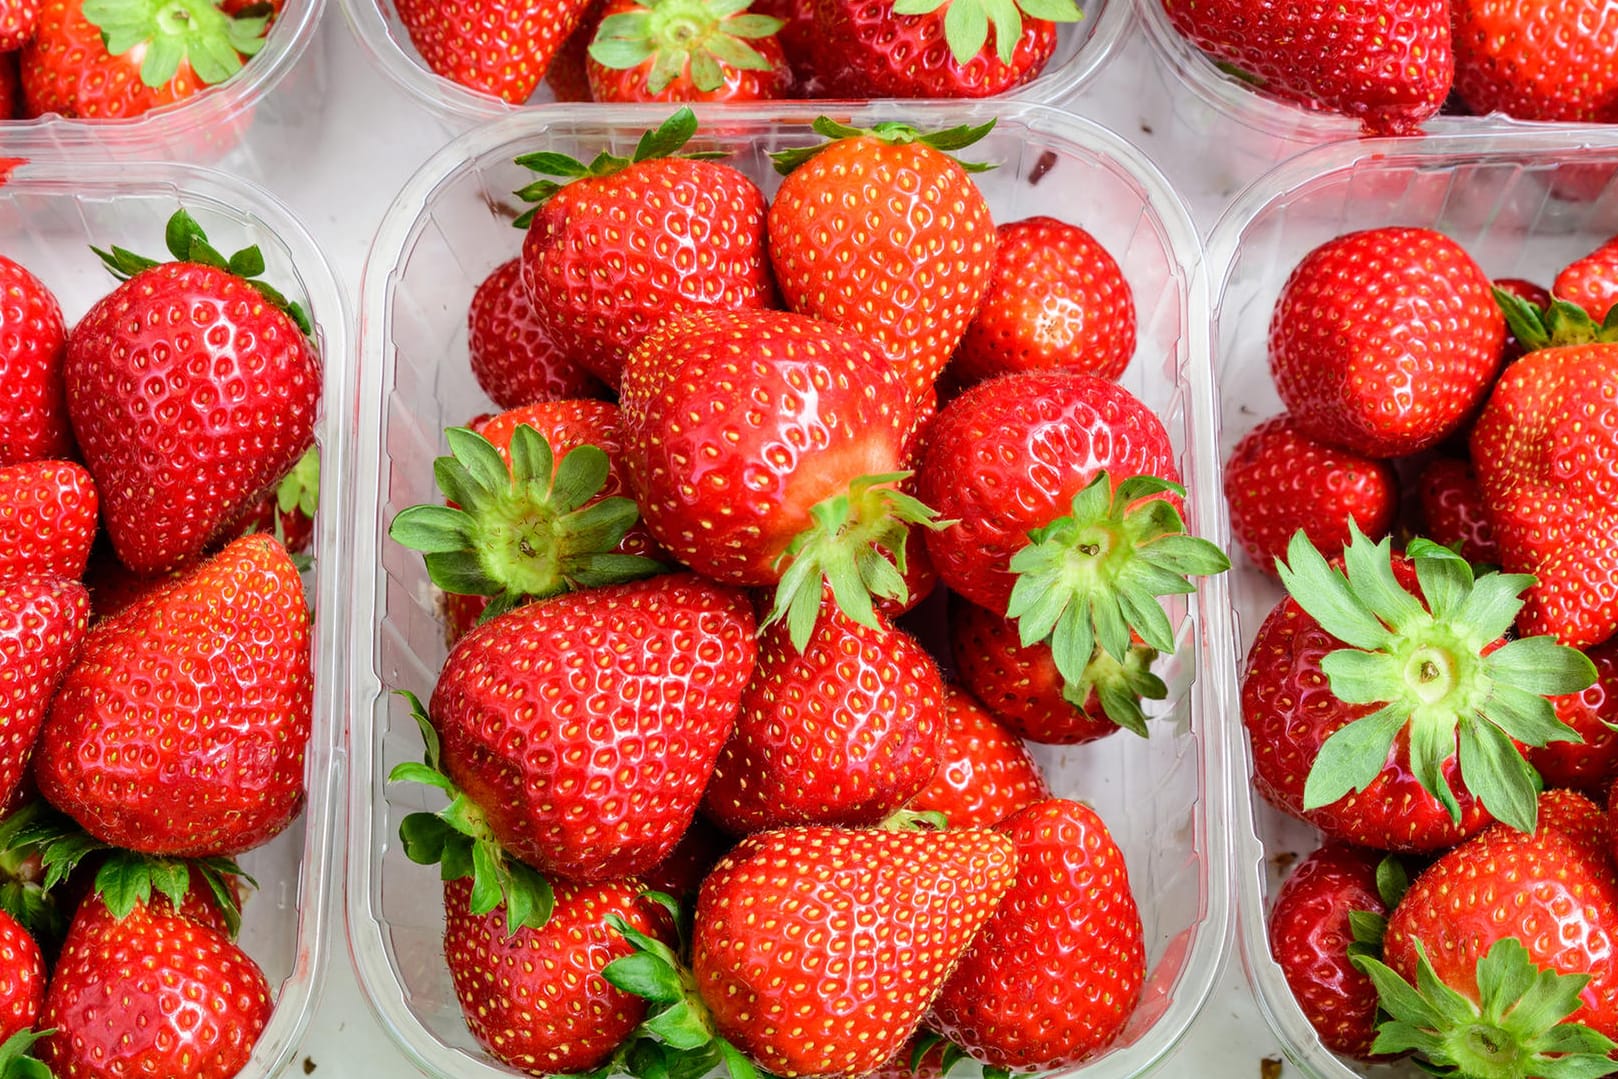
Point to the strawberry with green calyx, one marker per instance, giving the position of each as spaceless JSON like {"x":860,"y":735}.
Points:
{"x":967,"y":22}
{"x":1560,"y":323}
{"x":530,"y":530}
{"x":687,"y":50}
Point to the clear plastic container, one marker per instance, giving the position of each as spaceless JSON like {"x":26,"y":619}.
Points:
{"x":1165,"y":798}
{"x":50,"y":213}
{"x":1081,"y":49}
{"x":1523,"y":205}
{"x":240,"y":124}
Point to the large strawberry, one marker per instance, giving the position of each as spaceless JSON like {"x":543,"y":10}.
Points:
{"x":192,"y":389}
{"x":47,"y":518}
{"x":687,"y":50}
{"x":42,"y":622}
{"x":207,"y":761}
{"x":514,"y":358}
{"x":1537,"y":59}
{"x":33,"y":408}
{"x":985,"y":773}
{"x":1388,"y":67}
{"x":498,"y":47}
{"x":1384,"y":341}
{"x":882,"y":232}
{"x":1384,"y":705}
{"x":624,"y":243}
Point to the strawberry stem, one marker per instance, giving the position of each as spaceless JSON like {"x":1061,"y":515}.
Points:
{"x":175,"y":32}
{"x":967,"y":22}
{"x":891,"y":132}
{"x":1560,"y":324}
{"x":699,"y":36}
{"x":16,"y":1056}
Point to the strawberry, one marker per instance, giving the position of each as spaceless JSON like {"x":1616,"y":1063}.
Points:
{"x":19,"y":20}
{"x":568,"y":77}
{"x":1053,"y":976}
{"x":108,"y":59}
{"x":1389,"y":68}
{"x":514,"y":357}
{"x":1384,"y":341}
{"x":205,"y":765}
{"x":1279,"y":480}
{"x":1535,"y":60}
{"x":187,"y":420}
{"x":844,"y":730}
{"x":629,"y":242}
{"x":1452,"y":510}
{"x":496,"y":47}
{"x":1384,"y":705}
{"x":1592,"y":763}
{"x":1333,"y":906}
{"x":47,"y":518}
{"x":22,"y":981}
{"x":985,"y":773}
{"x":1058,"y":299}
{"x":1591,"y":282}
{"x":42,"y":623}
{"x":686,"y":50}
{"x":883,"y":233}
{"x":33,"y":409}
{"x":288,"y":512}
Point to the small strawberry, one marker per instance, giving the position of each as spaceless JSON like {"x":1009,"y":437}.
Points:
{"x":1058,"y":299}
{"x":42,"y":623}
{"x":514,"y":357}
{"x":1591,"y":282}
{"x":1537,"y":60}
{"x":496,"y":47}
{"x":1279,"y":480}
{"x":19,"y":20}
{"x":1384,"y":341}
{"x":22,"y":984}
{"x":33,"y":340}
{"x":1453,"y":512}
{"x":985,"y":773}
{"x":687,"y":50}
{"x":185,"y":420}
{"x":47,"y":518}
{"x":1592,"y":763}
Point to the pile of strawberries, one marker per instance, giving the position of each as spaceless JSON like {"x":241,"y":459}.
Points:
{"x":708,"y":801}
{"x":1440,"y":685}
{"x":156,"y":682}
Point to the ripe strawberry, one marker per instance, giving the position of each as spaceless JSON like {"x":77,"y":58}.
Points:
{"x":1591,"y":282}
{"x":1058,"y":299}
{"x":47,"y":519}
{"x":497,"y":47}
{"x":843,"y":730}
{"x":1279,"y":480}
{"x":686,"y":50}
{"x":1590,"y":764}
{"x":1053,"y":977}
{"x":42,"y":622}
{"x":1533,"y":60}
{"x":33,"y":408}
{"x":627,"y":243}
{"x":22,"y":981}
{"x":1391,"y":70}
{"x":514,"y":357}
{"x":1333,"y":906}
{"x":18,"y":22}
{"x":1385,"y":707}
{"x":883,"y":233}
{"x":985,"y":773}
{"x":208,"y":764}
{"x":1383,"y":342}
{"x":288,"y":512}
{"x":120,"y":60}
{"x":185,"y":421}
{"x":1453,"y":512}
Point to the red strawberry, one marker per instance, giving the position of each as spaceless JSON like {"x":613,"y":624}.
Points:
{"x":1058,"y":299}
{"x":1591,"y":282}
{"x":1536,"y":60}
{"x":1383,"y":342}
{"x":1453,"y":512}
{"x":22,"y":979}
{"x":985,"y":773}
{"x":567,"y":76}
{"x":498,"y":47}
{"x":686,"y":50}
{"x":18,"y":22}
{"x":1589,"y":765}
{"x":843,"y":730}
{"x":1279,"y":480}
{"x":1390,"y":70}
{"x":884,"y":234}
{"x":1051,"y":979}
{"x":42,"y":622}
{"x":514,"y":358}
{"x":204,"y":765}
{"x":288,"y":512}
{"x":187,"y":420}
{"x":682,"y":235}
{"x":33,"y":409}
{"x":47,"y":519}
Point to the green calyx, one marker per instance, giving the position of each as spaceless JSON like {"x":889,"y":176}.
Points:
{"x":857,"y":546}
{"x":967,"y":22}
{"x":1426,"y":666}
{"x":666,"y":140}
{"x":16,"y":1056}
{"x":524,"y":532}
{"x":1560,"y":324}
{"x":1514,"y":1030}
{"x":299,"y":489}
{"x":925,"y":1041}
{"x":458,"y":840}
{"x":1090,"y":582}
{"x":188,"y":243}
{"x":1368,"y":927}
{"x":674,"y":35}
{"x":175,"y":32}
{"x":891,"y":132}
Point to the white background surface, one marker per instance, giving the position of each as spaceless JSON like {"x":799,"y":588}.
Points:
{"x":362,"y":147}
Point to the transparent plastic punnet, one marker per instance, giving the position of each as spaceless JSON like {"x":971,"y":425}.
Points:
{"x":1523,"y":206}
{"x":1081,"y":48}
{"x":1164,"y":798}
{"x":50,"y":214}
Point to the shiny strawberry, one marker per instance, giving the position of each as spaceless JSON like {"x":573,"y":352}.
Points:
{"x":1591,"y":281}
{"x":1384,"y":341}
{"x":686,"y":50}
{"x":1279,"y":480}
{"x":515,"y":359}
{"x":33,"y":339}
{"x":18,"y":21}
{"x":1453,"y":512}
{"x":985,"y":773}
{"x":22,"y":981}
{"x":1537,"y":60}
{"x":649,"y":237}
{"x":496,"y":47}
{"x":1591,"y":764}
{"x":42,"y":623}
{"x":1058,"y":299}
{"x":47,"y":518}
